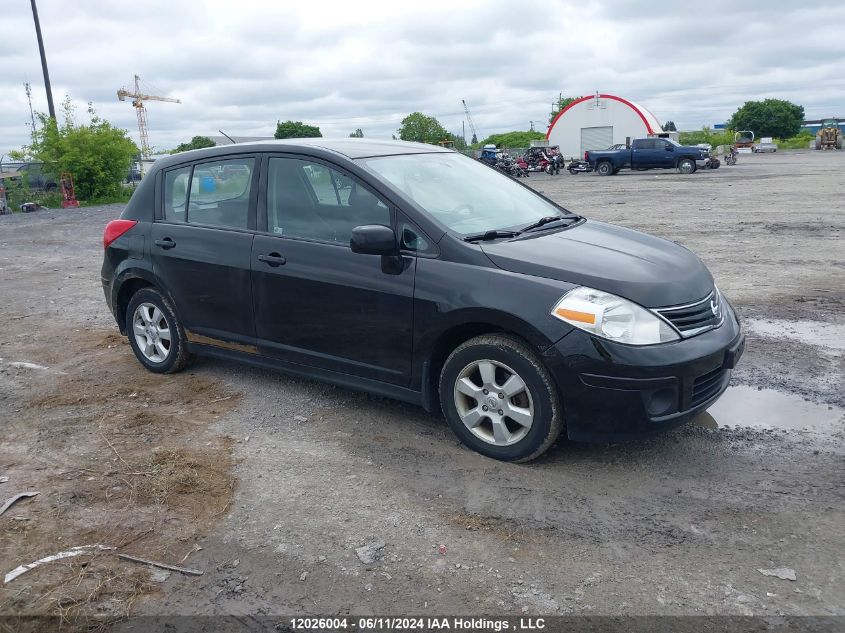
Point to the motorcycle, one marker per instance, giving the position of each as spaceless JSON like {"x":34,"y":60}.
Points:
{"x":579,"y":166}
{"x":545,"y":159}
{"x":731,"y":156}
{"x":508,"y":165}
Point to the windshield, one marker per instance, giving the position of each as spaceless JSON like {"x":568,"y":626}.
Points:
{"x":465,"y":195}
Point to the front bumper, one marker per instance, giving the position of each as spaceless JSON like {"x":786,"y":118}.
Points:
{"x":614,"y":392}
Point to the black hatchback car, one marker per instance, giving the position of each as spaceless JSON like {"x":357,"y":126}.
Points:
{"x":417,"y":273}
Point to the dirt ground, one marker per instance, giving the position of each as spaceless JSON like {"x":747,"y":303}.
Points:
{"x":268,"y":483}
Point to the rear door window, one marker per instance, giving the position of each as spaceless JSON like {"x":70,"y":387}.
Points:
{"x":220,"y":193}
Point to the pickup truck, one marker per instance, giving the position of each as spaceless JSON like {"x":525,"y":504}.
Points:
{"x":647,"y":153}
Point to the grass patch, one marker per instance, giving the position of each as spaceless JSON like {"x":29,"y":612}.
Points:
{"x":17,"y":194}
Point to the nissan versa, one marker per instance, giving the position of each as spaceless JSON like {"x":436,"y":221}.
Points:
{"x":417,"y":273}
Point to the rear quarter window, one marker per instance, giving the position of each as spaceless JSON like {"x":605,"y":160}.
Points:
{"x":176,"y":194}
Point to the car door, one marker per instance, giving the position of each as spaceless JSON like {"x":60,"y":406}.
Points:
{"x":201,"y":244}
{"x":642,"y":154}
{"x":316,"y":302}
{"x":666,"y":156}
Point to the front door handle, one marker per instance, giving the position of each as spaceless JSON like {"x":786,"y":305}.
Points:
{"x":166,"y":243}
{"x":274,"y":259}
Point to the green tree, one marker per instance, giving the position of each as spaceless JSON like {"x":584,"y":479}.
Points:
{"x":513,"y":139}
{"x":296,"y":129}
{"x":198,"y":142}
{"x":422,"y":128}
{"x":357,"y":134}
{"x":95,"y":153}
{"x":770,"y":117}
{"x":669,"y":126}
{"x":559,"y":104}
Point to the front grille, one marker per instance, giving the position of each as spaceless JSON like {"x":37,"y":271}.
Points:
{"x":707,"y":385}
{"x":697,"y":317}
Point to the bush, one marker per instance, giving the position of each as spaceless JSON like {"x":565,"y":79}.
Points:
{"x":96,"y":154}
{"x":801,"y":141}
{"x":706,"y":135}
{"x":513,"y":139}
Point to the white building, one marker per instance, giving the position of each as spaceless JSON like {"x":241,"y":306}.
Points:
{"x":599,"y":121}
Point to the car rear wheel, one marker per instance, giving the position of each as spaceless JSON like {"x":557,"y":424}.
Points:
{"x":686,"y":166}
{"x":155,"y":333}
{"x":499,"y":399}
{"x":604,"y":169}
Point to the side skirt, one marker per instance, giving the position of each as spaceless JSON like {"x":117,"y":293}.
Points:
{"x":348,"y":381}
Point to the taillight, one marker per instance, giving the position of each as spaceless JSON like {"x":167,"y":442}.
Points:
{"x":115,"y":229}
{"x":586,"y":156}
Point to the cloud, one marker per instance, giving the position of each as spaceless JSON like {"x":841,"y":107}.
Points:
{"x":240,"y":67}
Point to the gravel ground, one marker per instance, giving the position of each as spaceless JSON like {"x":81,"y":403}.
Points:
{"x":289,"y":477}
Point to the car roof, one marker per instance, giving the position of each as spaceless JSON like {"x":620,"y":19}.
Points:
{"x":351,"y":148}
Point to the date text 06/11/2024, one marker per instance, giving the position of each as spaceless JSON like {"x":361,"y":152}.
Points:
{"x":417,"y":624}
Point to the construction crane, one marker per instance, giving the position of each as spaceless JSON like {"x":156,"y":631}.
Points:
{"x":138,"y":99}
{"x":471,"y":124}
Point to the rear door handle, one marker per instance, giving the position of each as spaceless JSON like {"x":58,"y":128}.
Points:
{"x":274,"y":259}
{"x":165,"y":243}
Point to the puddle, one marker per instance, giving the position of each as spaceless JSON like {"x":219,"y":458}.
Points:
{"x":743,"y":406}
{"x":819,"y":333}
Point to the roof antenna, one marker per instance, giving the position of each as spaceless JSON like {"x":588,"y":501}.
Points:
{"x":227,"y":136}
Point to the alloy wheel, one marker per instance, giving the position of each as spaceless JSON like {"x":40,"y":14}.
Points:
{"x":494,"y":402}
{"x":152,"y":332}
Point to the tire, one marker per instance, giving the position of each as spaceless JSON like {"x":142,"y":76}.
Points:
{"x":604,"y":168}
{"x":686,"y":166}
{"x":714,"y":164}
{"x":573,"y":171}
{"x":534,"y":399}
{"x":151,"y":309}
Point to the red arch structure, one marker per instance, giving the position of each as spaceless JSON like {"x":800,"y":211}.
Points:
{"x":633,"y":106}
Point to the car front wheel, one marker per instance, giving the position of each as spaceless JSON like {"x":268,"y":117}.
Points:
{"x":499,"y":399}
{"x":604,"y":169}
{"x":686,"y":166}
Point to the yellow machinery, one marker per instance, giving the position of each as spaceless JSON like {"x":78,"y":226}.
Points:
{"x":138,"y":99}
{"x":829,"y":136}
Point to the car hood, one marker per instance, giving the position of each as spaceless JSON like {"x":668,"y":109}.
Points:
{"x":647,"y":270}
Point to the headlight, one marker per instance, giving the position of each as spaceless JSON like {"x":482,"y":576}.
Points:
{"x":612,"y":317}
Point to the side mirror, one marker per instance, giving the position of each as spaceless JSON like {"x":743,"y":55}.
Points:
{"x":373,"y":239}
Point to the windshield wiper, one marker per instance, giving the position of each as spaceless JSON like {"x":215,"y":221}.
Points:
{"x":548,"y":220}
{"x":494,"y":234}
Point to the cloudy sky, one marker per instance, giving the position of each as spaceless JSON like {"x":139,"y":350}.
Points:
{"x":241,"y":66}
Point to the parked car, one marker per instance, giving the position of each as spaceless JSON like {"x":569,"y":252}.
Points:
{"x":134,"y":173}
{"x":762,"y":148}
{"x":647,"y":153}
{"x":35,"y":177}
{"x":436,"y":281}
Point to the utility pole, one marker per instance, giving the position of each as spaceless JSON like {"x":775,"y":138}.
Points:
{"x":51,"y":109}
{"x":532,"y":125}
{"x":28,"y":90}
